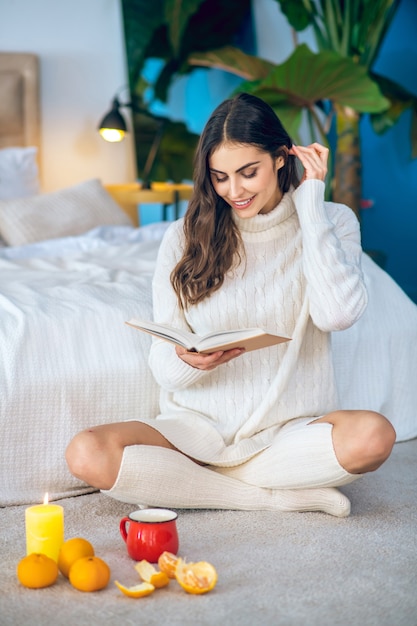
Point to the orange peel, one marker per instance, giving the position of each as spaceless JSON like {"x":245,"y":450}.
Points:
{"x":137,"y":591}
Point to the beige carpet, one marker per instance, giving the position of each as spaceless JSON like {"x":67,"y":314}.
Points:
{"x":289,"y":569}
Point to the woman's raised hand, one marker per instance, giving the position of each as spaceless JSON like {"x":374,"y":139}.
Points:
{"x":314,"y":160}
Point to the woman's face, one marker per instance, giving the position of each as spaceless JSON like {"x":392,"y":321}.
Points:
{"x":246,"y":178}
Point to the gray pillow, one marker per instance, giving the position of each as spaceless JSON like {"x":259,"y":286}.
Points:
{"x":70,"y":211}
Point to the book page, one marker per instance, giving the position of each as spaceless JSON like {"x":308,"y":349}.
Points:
{"x":174,"y":335}
{"x":247,"y":338}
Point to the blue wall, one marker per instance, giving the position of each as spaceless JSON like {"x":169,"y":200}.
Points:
{"x":389,"y":173}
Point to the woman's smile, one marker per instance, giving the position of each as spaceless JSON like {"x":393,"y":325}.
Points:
{"x":242,"y":204}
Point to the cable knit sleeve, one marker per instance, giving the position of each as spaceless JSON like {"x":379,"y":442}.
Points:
{"x":169,"y":371}
{"x":331,"y":258}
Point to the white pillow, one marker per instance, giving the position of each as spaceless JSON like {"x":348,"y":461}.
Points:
{"x":68,"y":212}
{"x":19,"y":174}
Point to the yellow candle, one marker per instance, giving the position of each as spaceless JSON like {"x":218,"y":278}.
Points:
{"x":44,"y":529}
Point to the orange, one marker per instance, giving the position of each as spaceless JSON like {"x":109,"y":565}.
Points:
{"x":196,"y":578}
{"x":90,"y":573}
{"x":167,"y":563}
{"x":138,"y":591}
{"x":71,"y":551}
{"x":150,"y":575}
{"x":37,"y":571}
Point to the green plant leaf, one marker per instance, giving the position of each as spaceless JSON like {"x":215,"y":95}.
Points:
{"x":374,"y":19}
{"x":164,"y":80}
{"x":392,"y":90}
{"x":175,"y":155}
{"x":400,"y":100}
{"x":177,"y":15}
{"x":215,"y":24}
{"x":381,"y":122}
{"x":354,"y":28}
{"x":232,"y":60}
{"x":141,"y":19}
{"x":297,"y":13}
{"x":306,"y":78}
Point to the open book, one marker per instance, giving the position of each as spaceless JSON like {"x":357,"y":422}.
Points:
{"x":248,"y":338}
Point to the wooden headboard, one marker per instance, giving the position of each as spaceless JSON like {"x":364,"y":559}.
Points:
{"x":19,"y":102}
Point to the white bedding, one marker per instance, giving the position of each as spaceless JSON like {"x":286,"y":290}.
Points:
{"x":376,"y":359}
{"x":68,"y":361}
{"x":67,"y":358}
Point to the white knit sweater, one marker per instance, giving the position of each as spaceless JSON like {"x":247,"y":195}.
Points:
{"x":300,"y":276}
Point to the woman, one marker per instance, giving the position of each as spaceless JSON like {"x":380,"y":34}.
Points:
{"x":257,"y":248}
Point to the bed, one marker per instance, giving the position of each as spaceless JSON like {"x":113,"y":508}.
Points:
{"x":74,"y":267}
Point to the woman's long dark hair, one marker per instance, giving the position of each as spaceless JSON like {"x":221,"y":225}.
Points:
{"x":212,"y":240}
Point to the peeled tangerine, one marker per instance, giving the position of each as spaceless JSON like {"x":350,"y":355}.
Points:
{"x":167,"y":563}
{"x":150,"y":575}
{"x":196,"y":578}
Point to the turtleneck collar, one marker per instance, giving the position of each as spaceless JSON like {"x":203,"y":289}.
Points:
{"x":266,"y":221}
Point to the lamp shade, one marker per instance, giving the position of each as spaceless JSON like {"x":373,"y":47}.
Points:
{"x":113,"y":126}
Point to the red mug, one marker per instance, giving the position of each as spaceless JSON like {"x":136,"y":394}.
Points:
{"x":149,"y":532}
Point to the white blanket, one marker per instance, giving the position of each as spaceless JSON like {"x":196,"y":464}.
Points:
{"x":68,"y":361}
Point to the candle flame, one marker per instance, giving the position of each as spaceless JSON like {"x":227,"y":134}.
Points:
{"x":46,"y":498}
